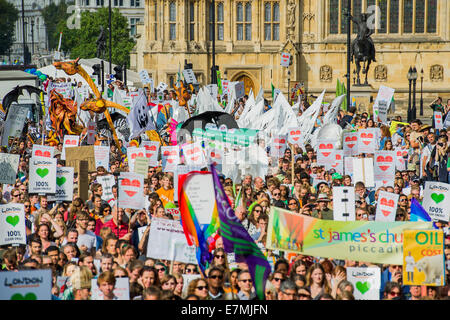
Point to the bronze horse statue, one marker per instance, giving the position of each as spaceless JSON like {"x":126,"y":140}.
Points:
{"x":362,"y":49}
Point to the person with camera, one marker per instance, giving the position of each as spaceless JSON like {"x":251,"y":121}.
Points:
{"x":438,"y":160}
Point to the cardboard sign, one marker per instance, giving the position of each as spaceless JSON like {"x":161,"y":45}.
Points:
{"x":152,"y":150}
{"x":77,"y":154}
{"x":141,"y":166}
{"x":386,"y":206}
{"x":438,"y":120}
{"x":26,"y":285}
{"x":161,"y":87}
{"x":344,"y":203}
{"x":366,"y":141}
{"x":9,"y":164}
{"x":69,"y":141}
{"x":325,"y":150}
{"x":350,"y":145}
{"x":131,"y":190}
{"x":366,"y":281}
{"x":12,"y":224}
{"x":363,"y":171}
{"x":196,"y":187}
{"x":384,"y":166}
{"x":189,"y":76}
{"x":42,"y":151}
{"x":64,"y":184}
{"x":423,"y":258}
{"x":42,"y":175}
{"x":436,"y":200}
{"x":121,"y":289}
{"x":91,"y":131}
{"x":338,"y":161}
{"x":285,"y":59}
{"x":165,"y":232}
{"x":170,"y":156}
{"x":193,"y":154}
{"x":294,"y":136}
{"x":400,"y":161}
{"x":101,"y":155}
{"x":132,"y":154}
{"x":107,"y":183}
{"x":239,"y":88}
{"x":82,"y":167}
{"x":348,"y":166}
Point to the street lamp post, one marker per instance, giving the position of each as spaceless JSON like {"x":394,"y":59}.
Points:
{"x":421,"y":92}
{"x":289,"y":86}
{"x":349,"y":44}
{"x":110,"y":42}
{"x":409,"y":76}
{"x":414,"y":79}
{"x":32,"y":36}
{"x":23,"y":35}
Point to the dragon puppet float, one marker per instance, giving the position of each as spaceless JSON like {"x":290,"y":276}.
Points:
{"x":96,"y":104}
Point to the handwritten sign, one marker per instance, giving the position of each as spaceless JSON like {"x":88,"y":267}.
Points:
{"x":141,"y":166}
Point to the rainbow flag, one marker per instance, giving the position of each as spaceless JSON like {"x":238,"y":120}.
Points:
{"x":202,"y":236}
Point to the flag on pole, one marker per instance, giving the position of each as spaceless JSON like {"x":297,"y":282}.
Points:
{"x":219,"y":82}
{"x":236,"y":239}
{"x":238,"y":200}
{"x":273,"y":90}
{"x":344,"y":91}
{"x":140,"y":117}
{"x":338,"y":88}
{"x":179,"y":75}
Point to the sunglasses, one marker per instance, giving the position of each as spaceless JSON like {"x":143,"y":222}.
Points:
{"x":220,"y":257}
{"x":190,"y":270}
{"x":27,"y":206}
{"x":278,"y":279}
{"x":246,"y":280}
{"x":216,"y":277}
{"x":276,"y":194}
{"x":16,"y":195}
{"x":258,"y":210}
{"x":120,"y":277}
{"x":202,"y":287}
{"x":292,"y":204}
{"x":160,"y":269}
{"x":395,"y":293}
{"x":303,"y":295}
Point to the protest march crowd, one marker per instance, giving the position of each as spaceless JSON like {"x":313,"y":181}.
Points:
{"x":97,"y":249}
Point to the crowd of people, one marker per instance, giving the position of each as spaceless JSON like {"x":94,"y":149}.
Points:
{"x":94,"y":239}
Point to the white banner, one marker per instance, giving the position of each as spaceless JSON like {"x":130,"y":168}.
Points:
{"x":436,"y":200}
{"x":384,"y":166}
{"x":107,"y":183}
{"x":131,"y":190}
{"x":386,"y":206}
{"x":132,"y":154}
{"x":325,"y":152}
{"x":350,"y":145}
{"x":42,"y":175}
{"x":17,"y":116}
{"x":152,"y":150}
{"x":64,"y":184}
{"x":12,"y":224}
{"x":26,"y":285}
{"x":366,"y":141}
{"x":170,"y":158}
{"x":363,"y":171}
{"x":101,"y":154}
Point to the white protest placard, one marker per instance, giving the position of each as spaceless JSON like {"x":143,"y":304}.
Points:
{"x":189,"y":76}
{"x":64,"y":184}
{"x":348,"y":166}
{"x":380,"y":111}
{"x":181,"y":169}
{"x":132,"y":154}
{"x":175,"y":212}
{"x":325,"y":150}
{"x":170,"y":156}
{"x":42,"y":151}
{"x":9,"y":164}
{"x":384,"y":166}
{"x":121,"y":289}
{"x":213,"y":90}
{"x":141,"y":166}
{"x":285,"y":59}
{"x":196,"y":187}
{"x":363,"y":171}
{"x":438,"y":124}
{"x":338,"y":161}
{"x":164,"y":232}
{"x":107,"y":183}
{"x":26,"y":285}
{"x":386,"y":206}
{"x":91,"y":131}
{"x":161,"y":87}
{"x":278,"y":145}
{"x":436,"y":200}
{"x":131,"y":190}
{"x":239,"y":89}
{"x":42,"y":175}
{"x":366,"y":141}
{"x":344,"y":203}
{"x":366,"y":281}
{"x":101,"y":154}
{"x":12,"y":224}
{"x":294,"y":136}
{"x":193,"y":154}
{"x":215,"y":154}
{"x":145,"y":78}
{"x":14,"y":123}
{"x":182,"y":252}
{"x":447,"y":121}
{"x":69,"y":141}
{"x":151,"y":152}
{"x":225,"y":86}
{"x":400,"y":161}
{"x":384,"y":96}
{"x":350,"y":145}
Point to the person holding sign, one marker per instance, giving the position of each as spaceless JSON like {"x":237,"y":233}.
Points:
{"x":439,"y":159}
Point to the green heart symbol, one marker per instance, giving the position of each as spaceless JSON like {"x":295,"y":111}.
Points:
{"x":376,"y":112}
{"x":363,"y":287}
{"x":12,"y":220}
{"x":28,"y":296}
{"x":42,"y":172}
{"x":60,"y":181}
{"x":437,"y":197}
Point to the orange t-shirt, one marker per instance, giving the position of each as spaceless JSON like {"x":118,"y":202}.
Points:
{"x":165,"y":195}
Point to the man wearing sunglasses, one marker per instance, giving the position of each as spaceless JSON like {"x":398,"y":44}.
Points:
{"x":215,"y":283}
{"x":245,"y":284}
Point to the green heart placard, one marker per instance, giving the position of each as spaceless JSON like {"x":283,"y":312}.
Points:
{"x":437,"y":197}
{"x":12,"y":220}
{"x":42,"y":172}
{"x":363,"y":287}
{"x":60,"y":181}
{"x":28,"y":296}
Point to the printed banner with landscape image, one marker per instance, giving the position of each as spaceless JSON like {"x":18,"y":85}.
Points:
{"x":368,"y":241}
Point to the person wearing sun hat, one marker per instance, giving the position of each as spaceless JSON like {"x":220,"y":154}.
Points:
{"x":323,"y":211}
{"x":337,"y":179}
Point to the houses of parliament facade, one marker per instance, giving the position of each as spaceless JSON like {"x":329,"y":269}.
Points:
{"x":250,"y":36}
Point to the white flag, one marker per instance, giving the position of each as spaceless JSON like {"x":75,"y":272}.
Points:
{"x":140,"y":117}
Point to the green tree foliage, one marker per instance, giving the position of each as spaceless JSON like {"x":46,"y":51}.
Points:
{"x":53,"y":15}
{"x":82,"y":42}
{"x":8,"y":17}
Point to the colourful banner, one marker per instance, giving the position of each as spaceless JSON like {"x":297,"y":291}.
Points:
{"x":368,"y":241}
{"x":423,"y":258}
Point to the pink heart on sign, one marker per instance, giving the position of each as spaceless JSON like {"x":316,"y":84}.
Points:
{"x":350,"y":145}
{"x":71,"y":142}
{"x":282,"y":141}
{"x":195,"y":158}
{"x":42,"y":154}
{"x":385,"y":212}
{"x":385,"y":202}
